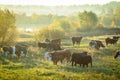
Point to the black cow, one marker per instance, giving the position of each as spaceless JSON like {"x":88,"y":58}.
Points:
{"x":111,"y":41}
{"x":116,"y":37}
{"x":81,"y":59}
{"x":49,"y":46}
{"x":96,"y":44}
{"x":76,"y":40}
{"x":117,"y":54}
{"x":43,"y":45}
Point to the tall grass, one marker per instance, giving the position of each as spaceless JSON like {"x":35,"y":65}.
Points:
{"x":35,"y":67}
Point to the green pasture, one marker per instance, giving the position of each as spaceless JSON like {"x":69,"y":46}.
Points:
{"x":35,"y":67}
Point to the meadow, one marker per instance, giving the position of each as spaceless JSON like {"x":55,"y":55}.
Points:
{"x":35,"y":67}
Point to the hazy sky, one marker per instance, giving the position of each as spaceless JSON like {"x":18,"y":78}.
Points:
{"x":54,"y":2}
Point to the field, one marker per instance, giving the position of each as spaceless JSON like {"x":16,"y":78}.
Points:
{"x":35,"y":67}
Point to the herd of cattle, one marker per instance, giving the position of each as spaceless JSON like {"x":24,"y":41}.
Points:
{"x":55,"y":53}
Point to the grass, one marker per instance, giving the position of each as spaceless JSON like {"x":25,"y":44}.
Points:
{"x":35,"y":67}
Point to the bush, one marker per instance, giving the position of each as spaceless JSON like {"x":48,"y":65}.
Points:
{"x":50,"y":34}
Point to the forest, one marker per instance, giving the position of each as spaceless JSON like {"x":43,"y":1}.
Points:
{"x":22,"y":27}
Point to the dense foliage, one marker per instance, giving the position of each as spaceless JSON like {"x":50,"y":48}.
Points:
{"x":88,"y":20}
{"x":7,"y":27}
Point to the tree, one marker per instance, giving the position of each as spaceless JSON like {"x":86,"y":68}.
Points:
{"x":87,"y":19}
{"x":112,"y":24}
{"x":7,"y":27}
{"x":117,"y":16}
{"x":52,"y":31}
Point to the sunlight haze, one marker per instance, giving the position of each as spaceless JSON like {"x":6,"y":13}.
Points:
{"x":54,"y":2}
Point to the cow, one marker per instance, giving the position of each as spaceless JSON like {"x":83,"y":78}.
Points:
{"x":116,"y":37}
{"x":49,"y":46}
{"x":96,"y":44}
{"x":117,"y":55}
{"x":42,"y":45}
{"x":8,"y":50}
{"x":111,"y":41}
{"x":56,"y":41}
{"x":76,"y":40}
{"x":60,"y":56}
{"x":81,"y":59}
{"x":21,"y":50}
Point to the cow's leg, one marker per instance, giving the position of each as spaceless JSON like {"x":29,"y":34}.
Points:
{"x":91,"y":64}
{"x":75,"y":63}
{"x":72,"y":63}
{"x":86,"y":65}
{"x":80,"y":65}
{"x":83,"y":65}
{"x":6,"y":53}
{"x":73,"y":43}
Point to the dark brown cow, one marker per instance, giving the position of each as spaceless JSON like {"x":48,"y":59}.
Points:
{"x":7,"y":50}
{"x":56,"y":41}
{"x":49,"y":46}
{"x":96,"y":44}
{"x":81,"y":59}
{"x":60,"y":56}
{"x":111,"y":41}
{"x":116,"y":37}
{"x":117,"y":54}
{"x":76,"y":40}
{"x":21,"y":50}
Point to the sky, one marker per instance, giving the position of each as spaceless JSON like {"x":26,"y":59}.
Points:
{"x":54,"y":2}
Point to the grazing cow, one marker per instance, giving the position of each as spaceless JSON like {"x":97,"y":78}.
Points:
{"x":60,"y":56}
{"x":49,"y":46}
{"x":21,"y":50}
{"x":116,"y":37}
{"x":42,"y":45}
{"x":56,"y":41}
{"x":8,"y":50}
{"x":111,"y":41}
{"x":81,"y":59}
{"x":117,"y":55}
{"x":76,"y":40}
{"x":12,"y":50}
{"x":96,"y":44}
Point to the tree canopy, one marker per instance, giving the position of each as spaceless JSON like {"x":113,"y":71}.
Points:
{"x":87,"y":19}
{"x":7,"y":27}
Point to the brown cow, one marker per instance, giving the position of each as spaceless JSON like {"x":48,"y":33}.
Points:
{"x":56,"y":41}
{"x":60,"y":56}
